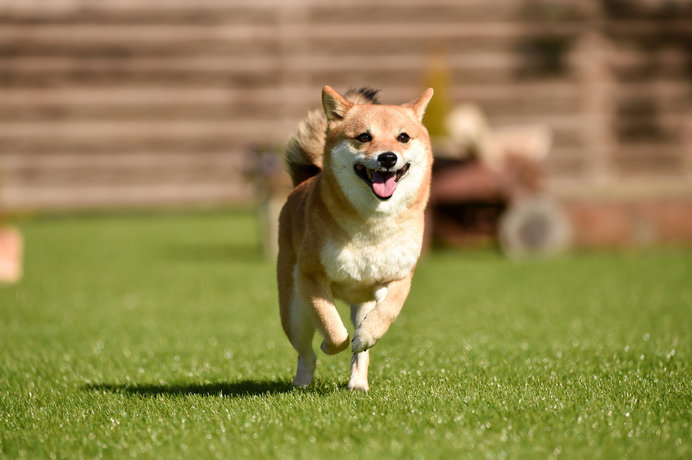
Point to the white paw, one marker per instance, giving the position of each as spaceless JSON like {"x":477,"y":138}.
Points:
{"x":302,"y":381}
{"x":359,"y":384}
{"x":362,"y":340}
{"x":368,"y":333}
{"x":305,"y":372}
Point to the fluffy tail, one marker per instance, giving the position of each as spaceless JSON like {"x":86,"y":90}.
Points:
{"x":306,"y":145}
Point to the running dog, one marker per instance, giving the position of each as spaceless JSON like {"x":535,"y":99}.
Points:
{"x":352,"y":228}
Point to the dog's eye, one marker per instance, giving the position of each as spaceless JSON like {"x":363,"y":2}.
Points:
{"x":364,"y":137}
{"x":403,"y":138}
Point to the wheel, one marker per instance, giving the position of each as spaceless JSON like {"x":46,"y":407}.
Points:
{"x":534,"y":227}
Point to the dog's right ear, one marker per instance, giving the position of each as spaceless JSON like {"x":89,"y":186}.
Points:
{"x":335,"y":105}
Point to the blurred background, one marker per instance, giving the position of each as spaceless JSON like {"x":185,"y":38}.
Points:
{"x":580,"y":107}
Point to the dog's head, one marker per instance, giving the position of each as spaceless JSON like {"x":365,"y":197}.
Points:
{"x":380,"y":155}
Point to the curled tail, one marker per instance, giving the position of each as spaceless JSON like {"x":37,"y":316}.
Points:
{"x":306,"y":146}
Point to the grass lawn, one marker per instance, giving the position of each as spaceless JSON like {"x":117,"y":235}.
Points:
{"x":159,"y":336}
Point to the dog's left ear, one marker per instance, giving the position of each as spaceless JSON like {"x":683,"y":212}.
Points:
{"x":419,"y":105}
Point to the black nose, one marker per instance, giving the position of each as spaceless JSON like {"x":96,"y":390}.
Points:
{"x":387,"y":159}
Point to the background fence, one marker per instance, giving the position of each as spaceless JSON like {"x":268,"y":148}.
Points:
{"x":111,"y":103}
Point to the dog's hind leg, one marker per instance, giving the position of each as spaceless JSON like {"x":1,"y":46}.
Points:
{"x":295,"y":318}
{"x":360,"y":361}
{"x":302,"y":332}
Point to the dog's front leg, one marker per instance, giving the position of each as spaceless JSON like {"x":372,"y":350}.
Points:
{"x":390,"y":298}
{"x":360,"y":361}
{"x":317,"y":293}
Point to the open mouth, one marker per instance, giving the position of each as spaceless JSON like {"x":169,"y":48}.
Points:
{"x":382,"y":182}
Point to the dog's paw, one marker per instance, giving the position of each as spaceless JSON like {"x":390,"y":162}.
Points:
{"x":362,"y":340}
{"x":302,"y":381}
{"x":305,"y":372}
{"x":358,"y":384}
{"x":367,"y":334}
{"x":334,"y":348}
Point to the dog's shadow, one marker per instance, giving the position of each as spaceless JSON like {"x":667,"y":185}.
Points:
{"x":240,"y":389}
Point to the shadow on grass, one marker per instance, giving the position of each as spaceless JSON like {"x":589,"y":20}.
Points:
{"x":240,"y":389}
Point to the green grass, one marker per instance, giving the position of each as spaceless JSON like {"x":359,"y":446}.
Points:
{"x":159,"y":336}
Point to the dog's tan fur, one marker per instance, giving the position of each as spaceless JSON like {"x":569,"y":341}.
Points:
{"x":338,"y":239}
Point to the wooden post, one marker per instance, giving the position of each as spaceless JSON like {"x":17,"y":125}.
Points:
{"x":687,"y":147}
{"x":597,"y":95}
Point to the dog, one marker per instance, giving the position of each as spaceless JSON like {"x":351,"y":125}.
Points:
{"x":352,"y":228}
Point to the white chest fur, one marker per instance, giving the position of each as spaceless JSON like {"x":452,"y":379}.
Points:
{"x":374,"y":255}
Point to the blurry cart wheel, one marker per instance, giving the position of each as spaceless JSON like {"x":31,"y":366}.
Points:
{"x":534,"y":227}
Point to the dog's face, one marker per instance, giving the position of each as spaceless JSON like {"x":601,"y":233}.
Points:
{"x":380,"y":155}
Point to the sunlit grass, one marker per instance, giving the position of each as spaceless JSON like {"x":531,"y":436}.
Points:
{"x":159,"y":337}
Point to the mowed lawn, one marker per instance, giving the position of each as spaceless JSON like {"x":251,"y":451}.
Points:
{"x":159,"y":336}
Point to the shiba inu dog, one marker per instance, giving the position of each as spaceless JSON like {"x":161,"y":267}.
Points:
{"x":352,"y":228}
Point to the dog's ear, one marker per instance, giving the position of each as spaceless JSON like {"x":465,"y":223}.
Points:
{"x":419,"y":105}
{"x":335,"y":105}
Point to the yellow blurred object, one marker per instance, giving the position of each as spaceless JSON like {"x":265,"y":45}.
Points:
{"x":436,"y":114}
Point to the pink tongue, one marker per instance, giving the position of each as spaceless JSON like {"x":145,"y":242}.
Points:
{"x":383,"y":183}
